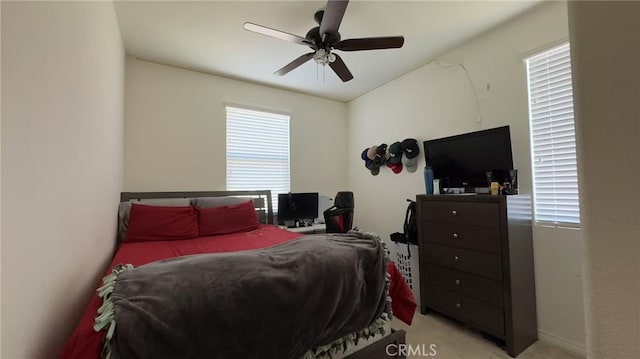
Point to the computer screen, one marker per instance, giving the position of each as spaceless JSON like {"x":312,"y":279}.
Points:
{"x":297,"y":206}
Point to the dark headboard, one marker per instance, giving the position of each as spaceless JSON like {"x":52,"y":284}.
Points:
{"x":261,"y":199}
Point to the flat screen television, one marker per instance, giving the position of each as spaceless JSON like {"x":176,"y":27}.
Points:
{"x":464,"y":160}
{"x":297,"y":206}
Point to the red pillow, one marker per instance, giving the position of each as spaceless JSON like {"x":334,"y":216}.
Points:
{"x":228,"y":219}
{"x":156,"y":223}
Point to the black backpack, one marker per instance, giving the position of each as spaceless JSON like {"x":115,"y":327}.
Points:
{"x":410,"y":234}
{"x":410,"y":225}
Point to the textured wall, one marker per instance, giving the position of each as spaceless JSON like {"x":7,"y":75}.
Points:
{"x":605,"y":49}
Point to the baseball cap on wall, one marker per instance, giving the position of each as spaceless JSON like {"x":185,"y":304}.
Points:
{"x":394,"y":162}
{"x":395,"y":167}
{"x":366,"y":159}
{"x":410,"y":152}
{"x":381,"y":155}
{"x":378,"y":155}
{"x":410,"y":147}
{"x":373,"y":166}
{"x":395,"y":153}
{"x":371,"y":152}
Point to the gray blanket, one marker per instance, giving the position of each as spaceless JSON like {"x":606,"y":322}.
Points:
{"x":277,"y":302}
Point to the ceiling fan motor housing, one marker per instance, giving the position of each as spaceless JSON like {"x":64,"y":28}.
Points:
{"x":314,"y":36}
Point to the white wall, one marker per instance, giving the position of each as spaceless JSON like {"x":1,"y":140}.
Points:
{"x":605,"y":49}
{"x":62,"y":122}
{"x":175,"y":130}
{"x":0,"y":186}
{"x":439,"y":99}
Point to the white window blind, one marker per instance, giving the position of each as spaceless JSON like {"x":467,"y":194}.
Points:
{"x":257,"y":151}
{"x":555,"y":172}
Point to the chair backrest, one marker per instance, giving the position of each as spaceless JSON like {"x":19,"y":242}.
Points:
{"x":338,"y":220}
{"x":344,"y":200}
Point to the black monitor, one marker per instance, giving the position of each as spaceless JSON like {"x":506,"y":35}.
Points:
{"x":297,"y":206}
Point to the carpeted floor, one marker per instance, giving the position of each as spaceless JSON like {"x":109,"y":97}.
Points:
{"x":452,"y":340}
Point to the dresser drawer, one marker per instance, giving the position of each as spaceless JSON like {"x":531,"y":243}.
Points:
{"x":483,"y":264}
{"x":456,"y":212}
{"x":471,"y":285}
{"x":472,"y":237}
{"x":482,"y":315}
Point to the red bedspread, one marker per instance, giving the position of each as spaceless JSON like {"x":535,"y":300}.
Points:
{"x":85,"y":343}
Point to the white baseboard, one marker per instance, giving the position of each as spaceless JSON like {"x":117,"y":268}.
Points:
{"x":570,"y":345}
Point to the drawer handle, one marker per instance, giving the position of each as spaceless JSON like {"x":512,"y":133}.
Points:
{"x":457,"y":281}
{"x":456,"y":258}
{"x":454,"y":212}
{"x":455,"y":236}
{"x":458,"y":305}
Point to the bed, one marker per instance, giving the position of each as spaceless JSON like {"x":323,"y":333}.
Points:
{"x":212,"y":246}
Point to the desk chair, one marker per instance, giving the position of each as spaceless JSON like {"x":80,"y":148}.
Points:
{"x":339,"y":218}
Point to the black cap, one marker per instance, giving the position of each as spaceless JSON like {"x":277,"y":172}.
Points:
{"x":410,"y":148}
{"x":381,"y":155}
{"x":371,"y":155}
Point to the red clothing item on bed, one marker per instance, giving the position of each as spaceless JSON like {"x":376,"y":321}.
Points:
{"x":402,"y":303}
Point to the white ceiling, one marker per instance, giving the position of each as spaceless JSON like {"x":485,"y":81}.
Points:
{"x":208,"y":36}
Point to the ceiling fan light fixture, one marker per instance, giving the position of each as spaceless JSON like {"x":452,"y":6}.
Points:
{"x":324,"y":57}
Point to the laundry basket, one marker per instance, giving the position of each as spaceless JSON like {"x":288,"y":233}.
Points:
{"x":406,"y":259}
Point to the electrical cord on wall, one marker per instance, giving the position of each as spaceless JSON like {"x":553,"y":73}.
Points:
{"x":479,"y":118}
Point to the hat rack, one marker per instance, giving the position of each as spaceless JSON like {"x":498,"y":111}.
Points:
{"x":400,"y":156}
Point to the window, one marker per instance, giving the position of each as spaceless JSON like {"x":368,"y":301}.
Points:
{"x":257,"y":151}
{"x":553,"y":144}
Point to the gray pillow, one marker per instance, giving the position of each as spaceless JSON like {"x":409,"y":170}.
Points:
{"x":212,"y":202}
{"x":125,"y":209}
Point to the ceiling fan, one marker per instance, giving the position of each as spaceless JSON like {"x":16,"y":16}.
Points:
{"x":325,"y":38}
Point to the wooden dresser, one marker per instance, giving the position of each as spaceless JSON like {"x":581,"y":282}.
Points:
{"x":476,"y":264}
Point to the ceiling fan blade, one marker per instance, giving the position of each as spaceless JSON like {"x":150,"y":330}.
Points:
{"x":332,"y":17}
{"x":263,"y":30}
{"x":341,"y":69}
{"x":293,"y":64}
{"x":370,"y":43}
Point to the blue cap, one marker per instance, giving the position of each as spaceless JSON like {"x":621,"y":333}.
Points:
{"x":367,"y":161}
